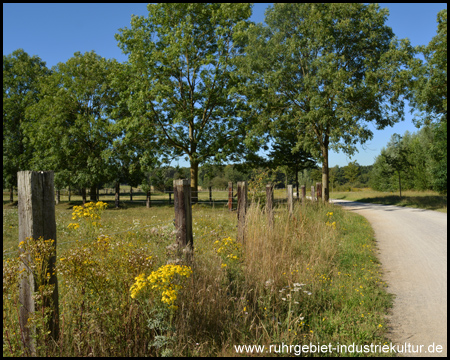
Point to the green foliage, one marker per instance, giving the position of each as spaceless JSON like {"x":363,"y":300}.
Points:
{"x":327,"y":70}
{"x":183,"y":79}
{"x":287,"y":155}
{"x":412,"y":158}
{"x":22,"y":75}
{"x":429,"y":91}
{"x":72,"y":133}
{"x":429,"y":96}
{"x":351,"y":171}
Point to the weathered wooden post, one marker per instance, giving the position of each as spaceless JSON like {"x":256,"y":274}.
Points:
{"x":210,"y":194}
{"x":83,"y":195}
{"x":242,"y":189}
{"x":269,"y":205}
{"x":58,"y":196}
{"x":319,"y":191}
{"x":149,"y":199}
{"x":303,"y":195}
{"x":93,"y":193}
{"x":312,"y":193}
{"x":230,"y":196}
{"x":183,"y":215}
{"x":36,"y":208}
{"x":117,"y":197}
{"x":290,"y":199}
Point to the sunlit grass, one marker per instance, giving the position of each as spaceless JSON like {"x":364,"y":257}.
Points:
{"x":429,"y":200}
{"x":302,"y":280}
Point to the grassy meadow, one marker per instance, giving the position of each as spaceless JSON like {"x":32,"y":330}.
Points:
{"x":429,"y":200}
{"x":312,"y":278}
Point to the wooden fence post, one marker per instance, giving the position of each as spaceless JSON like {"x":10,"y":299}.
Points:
{"x":303,"y":195}
{"x":83,"y":195}
{"x":210,"y":194}
{"x":312,"y":193}
{"x":58,"y":196}
{"x":230,"y":196}
{"x":36,"y":209}
{"x":242,"y":189}
{"x":183,"y":214}
{"x":269,"y":205}
{"x":117,"y":197}
{"x":290,"y":200}
{"x":319,"y":191}
{"x":149,"y":199}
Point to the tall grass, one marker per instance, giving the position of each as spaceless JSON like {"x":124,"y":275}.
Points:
{"x":305,"y":280}
{"x":429,"y":200}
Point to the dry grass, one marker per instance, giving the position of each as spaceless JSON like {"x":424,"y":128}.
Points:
{"x":302,"y":281}
{"x":429,"y":200}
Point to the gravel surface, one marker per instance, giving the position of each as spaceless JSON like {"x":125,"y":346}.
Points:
{"x":413,"y":252}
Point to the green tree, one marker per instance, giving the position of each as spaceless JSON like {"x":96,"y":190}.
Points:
{"x":351,"y":171}
{"x":395,"y":158}
{"x":328,"y":70}
{"x":21,"y":77}
{"x":184,"y":80}
{"x":286,"y":154}
{"x":429,"y":96}
{"x":73,"y":130}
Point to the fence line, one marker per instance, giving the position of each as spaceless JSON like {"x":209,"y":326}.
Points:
{"x":225,"y":201}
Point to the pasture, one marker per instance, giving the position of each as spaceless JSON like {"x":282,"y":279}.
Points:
{"x":312,"y":278}
{"x":429,"y":200}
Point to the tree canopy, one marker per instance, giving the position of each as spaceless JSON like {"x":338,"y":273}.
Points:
{"x":74,"y":130}
{"x":22,"y":75}
{"x":182,"y":56}
{"x":429,"y":96}
{"x":327,"y":70}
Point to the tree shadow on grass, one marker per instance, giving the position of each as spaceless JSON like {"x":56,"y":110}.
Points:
{"x":430,"y":202}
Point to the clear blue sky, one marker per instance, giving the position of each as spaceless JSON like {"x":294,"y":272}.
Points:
{"x":54,"y":32}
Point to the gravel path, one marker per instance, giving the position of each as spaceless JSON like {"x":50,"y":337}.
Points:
{"x":413,"y":252}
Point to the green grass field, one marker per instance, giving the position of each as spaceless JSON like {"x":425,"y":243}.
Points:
{"x":313,"y":278}
{"x":429,"y":200}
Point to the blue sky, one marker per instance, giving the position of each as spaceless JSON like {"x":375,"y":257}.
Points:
{"x":54,"y":32}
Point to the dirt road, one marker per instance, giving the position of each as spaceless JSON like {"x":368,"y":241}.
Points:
{"x":413,"y":252}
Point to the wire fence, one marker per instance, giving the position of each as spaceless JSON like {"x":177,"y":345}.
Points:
{"x":139,"y":196}
{"x":278,"y":199}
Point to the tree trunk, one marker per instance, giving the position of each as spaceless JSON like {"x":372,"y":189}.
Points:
{"x":131,"y":193}
{"x":149,"y":200}
{"x":58,"y":196}
{"x":117,"y":198}
{"x":93,"y":193}
{"x":11,"y":194}
{"x":83,"y":195}
{"x":69,"y":193}
{"x":400,"y":184}
{"x":194,"y":182}
{"x":325,"y":180}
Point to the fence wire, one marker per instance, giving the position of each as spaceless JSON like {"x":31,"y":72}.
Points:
{"x":277,"y":200}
